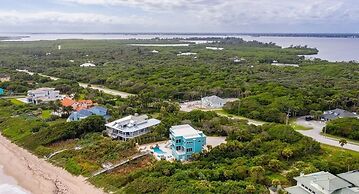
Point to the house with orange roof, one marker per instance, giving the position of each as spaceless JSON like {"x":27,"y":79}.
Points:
{"x":66,"y":102}
{"x":77,"y":105}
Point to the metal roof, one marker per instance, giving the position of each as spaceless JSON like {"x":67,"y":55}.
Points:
{"x":133,"y":123}
{"x":296,"y":190}
{"x":351,"y":176}
{"x":322,"y":181}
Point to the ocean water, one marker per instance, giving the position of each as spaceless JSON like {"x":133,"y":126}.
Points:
{"x":8,"y":185}
{"x":331,"y":49}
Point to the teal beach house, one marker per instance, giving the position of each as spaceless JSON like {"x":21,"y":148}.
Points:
{"x":2,"y":91}
{"x":186,"y":141}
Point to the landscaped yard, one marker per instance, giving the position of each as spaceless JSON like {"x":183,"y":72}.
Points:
{"x":16,"y":102}
{"x":338,"y":138}
{"x":46,"y":114}
{"x":299,"y":127}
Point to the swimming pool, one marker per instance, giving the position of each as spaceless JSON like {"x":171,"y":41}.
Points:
{"x":158,"y":151}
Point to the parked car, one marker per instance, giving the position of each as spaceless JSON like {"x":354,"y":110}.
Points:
{"x":309,"y":118}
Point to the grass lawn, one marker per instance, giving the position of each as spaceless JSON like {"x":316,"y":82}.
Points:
{"x":300,"y":127}
{"x":331,"y":150}
{"x":16,"y":102}
{"x":338,"y":138}
{"x":46,"y":114}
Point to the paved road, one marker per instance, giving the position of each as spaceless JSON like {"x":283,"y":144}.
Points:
{"x":84,"y":85}
{"x":314,"y":133}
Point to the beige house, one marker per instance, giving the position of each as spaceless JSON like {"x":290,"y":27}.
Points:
{"x":4,"y":78}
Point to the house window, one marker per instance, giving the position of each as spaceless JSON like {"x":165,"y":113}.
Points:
{"x":178,"y":148}
{"x":189,"y":150}
{"x":189,"y":142}
{"x":199,"y":140}
{"x":178,"y":140}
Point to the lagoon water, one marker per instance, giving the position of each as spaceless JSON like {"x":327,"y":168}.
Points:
{"x":331,"y":49}
{"x":8,"y":185}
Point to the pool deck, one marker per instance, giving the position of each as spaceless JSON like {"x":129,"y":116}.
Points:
{"x":163,"y":145}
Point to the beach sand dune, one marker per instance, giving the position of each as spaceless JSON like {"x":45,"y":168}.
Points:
{"x":37,"y":175}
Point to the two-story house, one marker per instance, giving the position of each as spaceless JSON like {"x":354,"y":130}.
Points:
{"x":43,"y":95}
{"x":185,"y":141}
{"x":130,"y":127}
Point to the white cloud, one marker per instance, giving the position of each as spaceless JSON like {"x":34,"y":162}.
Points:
{"x":244,"y":11}
{"x":21,"y":18}
{"x":191,"y":15}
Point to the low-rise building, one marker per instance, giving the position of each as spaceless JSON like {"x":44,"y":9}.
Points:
{"x":2,"y":91}
{"x":43,"y":95}
{"x":326,"y":183}
{"x":130,"y":127}
{"x":76,"y":105}
{"x":212,"y":102}
{"x":186,"y":141}
{"x":88,"y":65}
{"x":186,"y":54}
{"x":337,"y":113}
{"x":84,"y":113}
{"x":214,"y":48}
{"x":4,"y":78}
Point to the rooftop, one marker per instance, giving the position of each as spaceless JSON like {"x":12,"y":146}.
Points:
{"x":338,"y":113}
{"x":67,"y":102}
{"x":187,"y":131}
{"x":42,"y":90}
{"x":322,"y":181}
{"x":351,"y":176}
{"x":133,"y":123}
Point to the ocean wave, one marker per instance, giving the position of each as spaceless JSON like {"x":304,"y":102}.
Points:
{"x":12,"y":189}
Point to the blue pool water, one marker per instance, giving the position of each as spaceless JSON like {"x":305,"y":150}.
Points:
{"x":158,"y":151}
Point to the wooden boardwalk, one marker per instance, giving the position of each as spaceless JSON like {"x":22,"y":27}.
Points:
{"x":122,"y":162}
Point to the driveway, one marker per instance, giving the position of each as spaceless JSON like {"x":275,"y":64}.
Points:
{"x":215,"y":141}
{"x":314,"y":133}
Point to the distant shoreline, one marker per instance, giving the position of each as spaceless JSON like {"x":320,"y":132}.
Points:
{"x":318,"y":35}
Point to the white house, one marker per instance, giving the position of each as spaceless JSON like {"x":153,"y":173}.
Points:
{"x":186,"y":54}
{"x":212,"y":102}
{"x":130,"y":127}
{"x":155,"y":51}
{"x":88,"y":65}
{"x":43,"y":95}
{"x":326,"y":183}
{"x":215,"y":48}
{"x":4,"y":78}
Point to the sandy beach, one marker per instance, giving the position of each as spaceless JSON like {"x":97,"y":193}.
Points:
{"x":37,"y":175}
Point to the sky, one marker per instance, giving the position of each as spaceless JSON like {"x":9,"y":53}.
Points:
{"x":214,"y":16}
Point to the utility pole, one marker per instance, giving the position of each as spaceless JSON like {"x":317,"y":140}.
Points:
{"x":287,"y":118}
{"x":239,"y":106}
